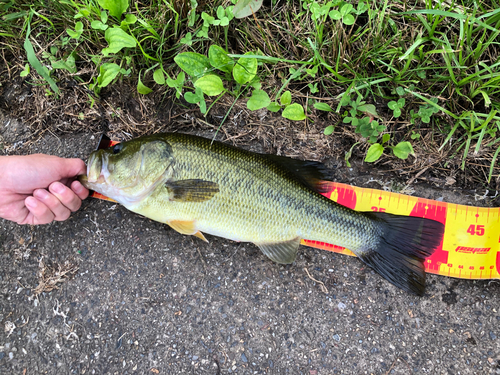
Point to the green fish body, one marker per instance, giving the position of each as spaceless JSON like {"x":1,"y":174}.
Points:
{"x":198,"y":186}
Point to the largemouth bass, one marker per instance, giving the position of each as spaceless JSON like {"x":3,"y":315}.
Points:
{"x":196,"y":186}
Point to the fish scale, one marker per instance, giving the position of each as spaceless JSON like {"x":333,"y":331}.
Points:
{"x":197,"y":186}
{"x":277,"y":215}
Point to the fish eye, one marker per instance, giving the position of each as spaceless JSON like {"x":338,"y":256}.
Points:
{"x":117,"y":148}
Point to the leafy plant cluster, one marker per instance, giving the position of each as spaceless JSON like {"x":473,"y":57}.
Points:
{"x":205,"y":74}
{"x":362,"y":115}
{"x":450,"y":53}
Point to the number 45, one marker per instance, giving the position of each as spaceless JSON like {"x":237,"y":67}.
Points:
{"x":476,"y":230}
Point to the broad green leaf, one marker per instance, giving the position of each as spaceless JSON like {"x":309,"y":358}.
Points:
{"x":368,"y":108}
{"x":187,"y":40}
{"x":224,"y":21}
{"x":286,"y":98}
{"x":192,"y":13}
{"x":207,"y":19}
{"x":221,"y":12}
{"x":256,"y":84}
{"x":178,"y":82}
{"x":107,"y":73}
{"x":130,"y":19}
{"x":258,"y":100}
{"x":392,"y":105}
{"x":98,"y":25}
{"x":194,"y":64}
{"x":116,"y":7}
{"x":401,"y":102}
{"x":329,"y":130}
{"x":294,"y":112}
{"x":245,"y":8}
{"x":203,"y":106}
{"x":117,"y":39}
{"x":229,"y":12}
{"x":273,"y":107}
{"x":402,"y":150}
{"x":104,"y":16}
{"x":313,"y":87}
{"x":25,"y":71}
{"x":159,"y":77}
{"x":68,"y":65}
{"x":210,"y":84}
{"x":75,"y":34}
{"x":203,"y":32}
{"x":323,"y":107}
{"x":400,"y":91}
{"x":385,"y":138}
{"x":191,"y":97}
{"x":219,"y":59}
{"x":84,"y":12}
{"x":141,"y":88}
{"x":346,"y":9}
{"x":335,"y":15}
{"x":348,"y":20}
{"x":397,"y":112}
{"x":245,"y":69}
{"x":374,"y":153}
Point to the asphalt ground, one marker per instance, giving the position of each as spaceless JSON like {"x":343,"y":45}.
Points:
{"x":135,"y":297}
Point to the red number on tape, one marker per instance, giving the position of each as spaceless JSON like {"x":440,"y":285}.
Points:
{"x":476,"y":230}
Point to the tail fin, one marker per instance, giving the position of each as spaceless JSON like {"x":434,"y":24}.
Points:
{"x":404,"y":244}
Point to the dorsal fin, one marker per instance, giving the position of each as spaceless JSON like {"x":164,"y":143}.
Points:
{"x":308,"y":173}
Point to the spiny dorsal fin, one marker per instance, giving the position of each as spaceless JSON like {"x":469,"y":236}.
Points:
{"x":192,"y":190}
{"x":308,"y":173}
{"x":281,"y":252}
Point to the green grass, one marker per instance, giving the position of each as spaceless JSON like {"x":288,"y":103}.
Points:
{"x":442,"y":58}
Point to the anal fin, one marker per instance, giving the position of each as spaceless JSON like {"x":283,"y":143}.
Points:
{"x":281,"y":252}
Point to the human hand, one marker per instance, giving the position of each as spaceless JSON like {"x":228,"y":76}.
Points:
{"x":38,"y":189}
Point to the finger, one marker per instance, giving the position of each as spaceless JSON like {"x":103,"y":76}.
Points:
{"x":39,"y":212}
{"x":65,"y":195}
{"x":54,"y":204}
{"x":79,"y":190}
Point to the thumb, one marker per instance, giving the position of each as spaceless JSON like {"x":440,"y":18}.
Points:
{"x":72,"y":168}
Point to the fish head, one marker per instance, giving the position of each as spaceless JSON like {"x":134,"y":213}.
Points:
{"x":129,"y":171}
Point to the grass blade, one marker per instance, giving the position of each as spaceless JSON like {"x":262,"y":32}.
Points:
{"x":35,"y":63}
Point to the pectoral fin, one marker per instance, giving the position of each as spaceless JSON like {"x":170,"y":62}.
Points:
{"x":281,"y":252}
{"x":192,"y":190}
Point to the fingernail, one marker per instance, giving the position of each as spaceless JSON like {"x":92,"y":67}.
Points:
{"x":57,"y":187}
{"x":31,"y":202}
{"x":41,"y":194}
{"x":77,"y":187}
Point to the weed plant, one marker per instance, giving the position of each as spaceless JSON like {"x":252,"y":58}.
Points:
{"x":433,"y":64}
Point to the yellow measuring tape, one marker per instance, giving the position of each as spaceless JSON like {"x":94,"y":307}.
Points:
{"x":471,"y":242}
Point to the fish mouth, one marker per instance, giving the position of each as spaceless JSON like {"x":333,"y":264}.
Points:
{"x":97,"y":168}
{"x":84,"y":180}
